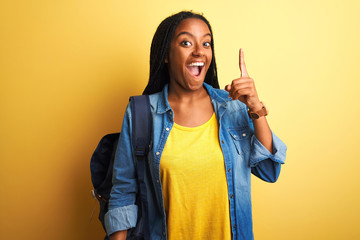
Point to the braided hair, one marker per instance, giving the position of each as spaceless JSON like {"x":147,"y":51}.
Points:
{"x":159,"y":75}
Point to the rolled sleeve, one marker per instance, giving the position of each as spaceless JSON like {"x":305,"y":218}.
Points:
{"x":120,"y":218}
{"x":260,"y":153}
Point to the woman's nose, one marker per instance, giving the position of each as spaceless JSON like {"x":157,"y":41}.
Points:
{"x":198,"y":50}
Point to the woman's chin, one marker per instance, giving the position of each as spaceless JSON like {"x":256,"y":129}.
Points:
{"x":190,"y":82}
{"x":195,"y":84}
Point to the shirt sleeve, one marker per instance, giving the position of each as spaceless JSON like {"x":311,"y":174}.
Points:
{"x":264,"y":164}
{"x":120,"y":218}
{"x":122,"y":213}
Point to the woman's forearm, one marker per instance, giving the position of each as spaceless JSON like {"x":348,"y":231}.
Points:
{"x":263,"y":132}
{"x":121,"y":235}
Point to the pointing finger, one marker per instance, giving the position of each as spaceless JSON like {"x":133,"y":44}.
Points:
{"x":242,"y":66}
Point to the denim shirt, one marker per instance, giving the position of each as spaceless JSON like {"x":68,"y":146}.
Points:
{"x":243,"y":154}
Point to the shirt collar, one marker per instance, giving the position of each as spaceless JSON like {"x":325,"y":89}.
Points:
{"x":215,"y":94}
{"x":163,"y":104}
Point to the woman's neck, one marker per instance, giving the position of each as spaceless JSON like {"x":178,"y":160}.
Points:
{"x":191,"y":108}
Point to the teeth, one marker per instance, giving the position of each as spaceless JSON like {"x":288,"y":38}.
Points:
{"x":196,"y":64}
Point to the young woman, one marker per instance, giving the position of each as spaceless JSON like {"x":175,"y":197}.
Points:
{"x":206,"y":143}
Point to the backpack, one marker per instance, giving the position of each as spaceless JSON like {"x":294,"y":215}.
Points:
{"x":102,"y":161}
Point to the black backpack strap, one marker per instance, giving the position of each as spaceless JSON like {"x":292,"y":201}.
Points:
{"x":141,"y":121}
{"x":141,"y":135}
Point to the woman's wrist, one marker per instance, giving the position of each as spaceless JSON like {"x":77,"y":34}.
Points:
{"x":256,"y":107}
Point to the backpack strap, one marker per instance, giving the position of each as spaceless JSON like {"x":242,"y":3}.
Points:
{"x":141,"y":135}
{"x":141,"y":121}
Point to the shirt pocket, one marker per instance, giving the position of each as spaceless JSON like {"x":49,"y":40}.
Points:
{"x":241,"y":138}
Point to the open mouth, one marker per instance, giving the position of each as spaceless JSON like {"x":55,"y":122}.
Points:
{"x":195,"y":68}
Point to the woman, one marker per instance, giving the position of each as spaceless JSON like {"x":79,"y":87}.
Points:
{"x":205,"y":145}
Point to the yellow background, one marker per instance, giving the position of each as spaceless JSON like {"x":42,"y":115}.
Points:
{"x":68,"y":67}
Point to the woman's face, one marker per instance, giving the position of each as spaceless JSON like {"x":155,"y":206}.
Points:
{"x":190,"y":54}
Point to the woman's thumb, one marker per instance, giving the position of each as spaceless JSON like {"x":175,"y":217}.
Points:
{"x":228,"y":87}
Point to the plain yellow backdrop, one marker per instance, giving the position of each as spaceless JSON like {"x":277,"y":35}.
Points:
{"x":68,"y":67}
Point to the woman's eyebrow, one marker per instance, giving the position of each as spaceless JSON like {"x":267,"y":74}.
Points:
{"x":187,"y":33}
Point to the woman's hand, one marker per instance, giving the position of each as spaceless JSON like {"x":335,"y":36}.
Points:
{"x":243,"y":88}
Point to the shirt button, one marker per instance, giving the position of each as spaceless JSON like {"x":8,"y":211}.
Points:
{"x":170,"y":113}
{"x":167,"y":129}
{"x":235,"y":136}
{"x":244,"y":134}
{"x":157,"y":181}
{"x":222,"y":141}
{"x":157,"y":153}
{"x":232,"y":196}
{"x":229,"y":170}
{"x":234,"y":226}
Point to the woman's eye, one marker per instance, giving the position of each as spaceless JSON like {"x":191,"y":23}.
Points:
{"x":207,"y":44}
{"x":186,"y":43}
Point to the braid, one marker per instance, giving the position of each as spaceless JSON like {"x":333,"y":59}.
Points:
{"x":159,"y":75}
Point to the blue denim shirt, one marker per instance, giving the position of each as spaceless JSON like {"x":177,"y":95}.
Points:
{"x":243,"y":155}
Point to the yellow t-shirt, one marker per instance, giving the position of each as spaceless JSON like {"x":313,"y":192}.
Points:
{"x":194,"y":183}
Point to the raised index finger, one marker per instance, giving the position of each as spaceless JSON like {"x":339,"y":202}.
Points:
{"x":242,"y":66}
